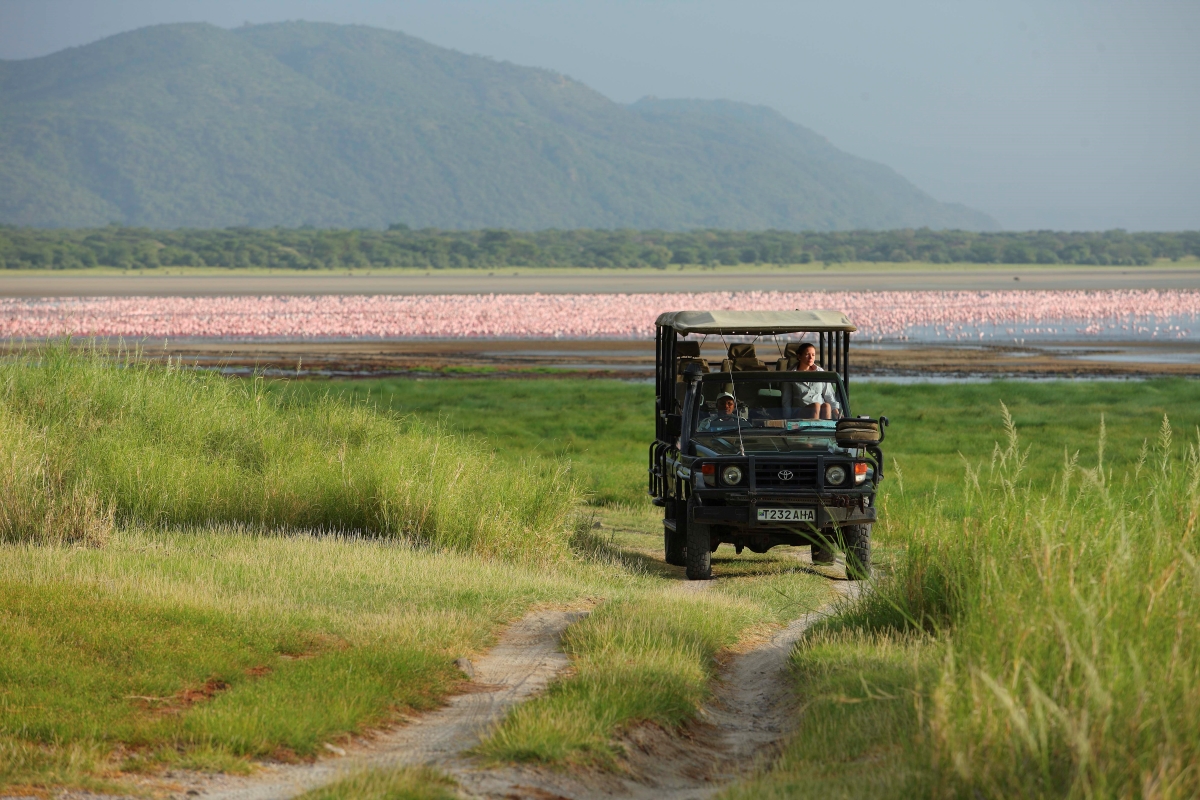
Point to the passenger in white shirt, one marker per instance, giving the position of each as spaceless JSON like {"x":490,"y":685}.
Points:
{"x":818,"y":399}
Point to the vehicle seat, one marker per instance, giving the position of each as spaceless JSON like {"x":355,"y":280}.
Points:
{"x":686,"y":355}
{"x":742,"y":359}
{"x":791,"y":357}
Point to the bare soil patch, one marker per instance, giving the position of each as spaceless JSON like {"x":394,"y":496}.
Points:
{"x":743,"y":729}
{"x":522,"y":663}
{"x":634,"y":360}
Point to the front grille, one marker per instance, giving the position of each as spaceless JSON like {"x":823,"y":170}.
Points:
{"x":774,"y":475}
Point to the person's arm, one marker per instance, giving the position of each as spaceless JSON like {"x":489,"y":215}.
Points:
{"x":831,"y":397}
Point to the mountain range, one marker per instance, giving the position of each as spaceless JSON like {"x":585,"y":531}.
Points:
{"x":293,"y":124}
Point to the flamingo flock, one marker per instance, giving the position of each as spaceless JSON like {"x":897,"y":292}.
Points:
{"x":926,"y":315}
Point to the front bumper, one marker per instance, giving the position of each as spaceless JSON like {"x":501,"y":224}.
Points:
{"x":745,"y":516}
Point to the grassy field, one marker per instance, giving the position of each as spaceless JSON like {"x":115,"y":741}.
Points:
{"x":1039,"y":638}
{"x":1037,"y":633}
{"x":200,"y":647}
{"x":604,"y":427}
{"x":1033,"y":632}
{"x":89,"y":444}
{"x":245,"y":596}
{"x":650,"y":657}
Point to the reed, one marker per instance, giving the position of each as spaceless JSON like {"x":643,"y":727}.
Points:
{"x":1032,"y":638}
{"x":88,"y":441}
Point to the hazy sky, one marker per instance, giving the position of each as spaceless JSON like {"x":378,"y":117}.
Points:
{"x":1069,"y":114}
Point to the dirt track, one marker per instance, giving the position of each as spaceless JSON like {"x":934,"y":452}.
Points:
{"x":596,"y":281}
{"x":741,"y":730}
{"x":519,"y":666}
{"x":744,"y":727}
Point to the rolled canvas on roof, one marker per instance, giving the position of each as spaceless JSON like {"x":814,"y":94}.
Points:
{"x":732,"y":322}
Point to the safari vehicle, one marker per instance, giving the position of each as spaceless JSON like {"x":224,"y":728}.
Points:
{"x":773,"y":471}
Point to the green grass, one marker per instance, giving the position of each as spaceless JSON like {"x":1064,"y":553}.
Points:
{"x":644,"y":658}
{"x":84,"y":442}
{"x":604,"y":427}
{"x":1078,"y":605}
{"x":215,"y":602}
{"x":864,"y":682}
{"x":648,"y":657}
{"x":932,"y":424}
{"x":859,"y":731}
{"x":601,"y":427}
{"x":1039,"y":638}
{"x":199,"y":647}
{"x":292,"y":641}
{"x":872,"y":688}
{"x":401,"y":784}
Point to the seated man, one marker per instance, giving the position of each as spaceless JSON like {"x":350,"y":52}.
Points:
{"x":816,"y":399}
{"x":725,"y":418}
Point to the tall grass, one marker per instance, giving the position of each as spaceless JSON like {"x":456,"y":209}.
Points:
{"x":87,"y":441}
{"x":1063,"y":620}
{"x":311,"y":637}
{"x":41,"y":503}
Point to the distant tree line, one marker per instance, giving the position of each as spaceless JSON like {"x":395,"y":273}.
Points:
{"x":399,"y":246}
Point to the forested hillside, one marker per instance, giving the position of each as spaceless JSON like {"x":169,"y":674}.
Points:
{"x":140,"y":248}
{"x":297,"y":124}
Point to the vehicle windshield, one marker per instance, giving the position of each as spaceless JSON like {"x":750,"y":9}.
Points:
{"x":788,"y":409}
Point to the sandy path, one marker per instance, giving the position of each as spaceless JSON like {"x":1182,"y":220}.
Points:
{"x":744,"y":727}
{"x":526,"y":658}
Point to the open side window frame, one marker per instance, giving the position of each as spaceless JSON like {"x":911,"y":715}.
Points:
{"x":833,"y":352}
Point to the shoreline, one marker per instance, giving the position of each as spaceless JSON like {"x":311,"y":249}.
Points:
{"x":626,"y":359}
{"x":857,"y":277}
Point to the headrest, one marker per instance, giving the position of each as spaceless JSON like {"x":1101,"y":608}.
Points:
{"x":687,"y":349}
{"x":792,"y":350}
{"x":744,"y":350}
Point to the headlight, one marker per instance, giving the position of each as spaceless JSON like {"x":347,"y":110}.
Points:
{"x":835,"y":475}
{"x":731,"y":475}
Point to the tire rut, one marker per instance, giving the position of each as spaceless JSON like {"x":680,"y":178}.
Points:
{"x":522,"y":663}
{"x":742,"y":729}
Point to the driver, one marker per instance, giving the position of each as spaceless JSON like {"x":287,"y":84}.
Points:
{"x":724,"y":418}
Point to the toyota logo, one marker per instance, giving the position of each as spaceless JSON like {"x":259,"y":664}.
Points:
{"x":785,"y":474}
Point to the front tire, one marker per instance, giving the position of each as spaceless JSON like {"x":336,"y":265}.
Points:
{"x":699,"y":552}
{"x":858,"y":551}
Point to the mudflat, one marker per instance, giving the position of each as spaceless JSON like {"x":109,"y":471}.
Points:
{"x":526,"y":281}
{"x":635,"y":359}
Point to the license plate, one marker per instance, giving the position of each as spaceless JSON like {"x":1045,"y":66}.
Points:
{"x":787,"y":515}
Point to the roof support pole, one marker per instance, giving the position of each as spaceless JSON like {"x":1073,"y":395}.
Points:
{"x":846,"y":359}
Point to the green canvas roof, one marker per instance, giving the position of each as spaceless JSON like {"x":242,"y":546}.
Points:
{"x":754,"y":322}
